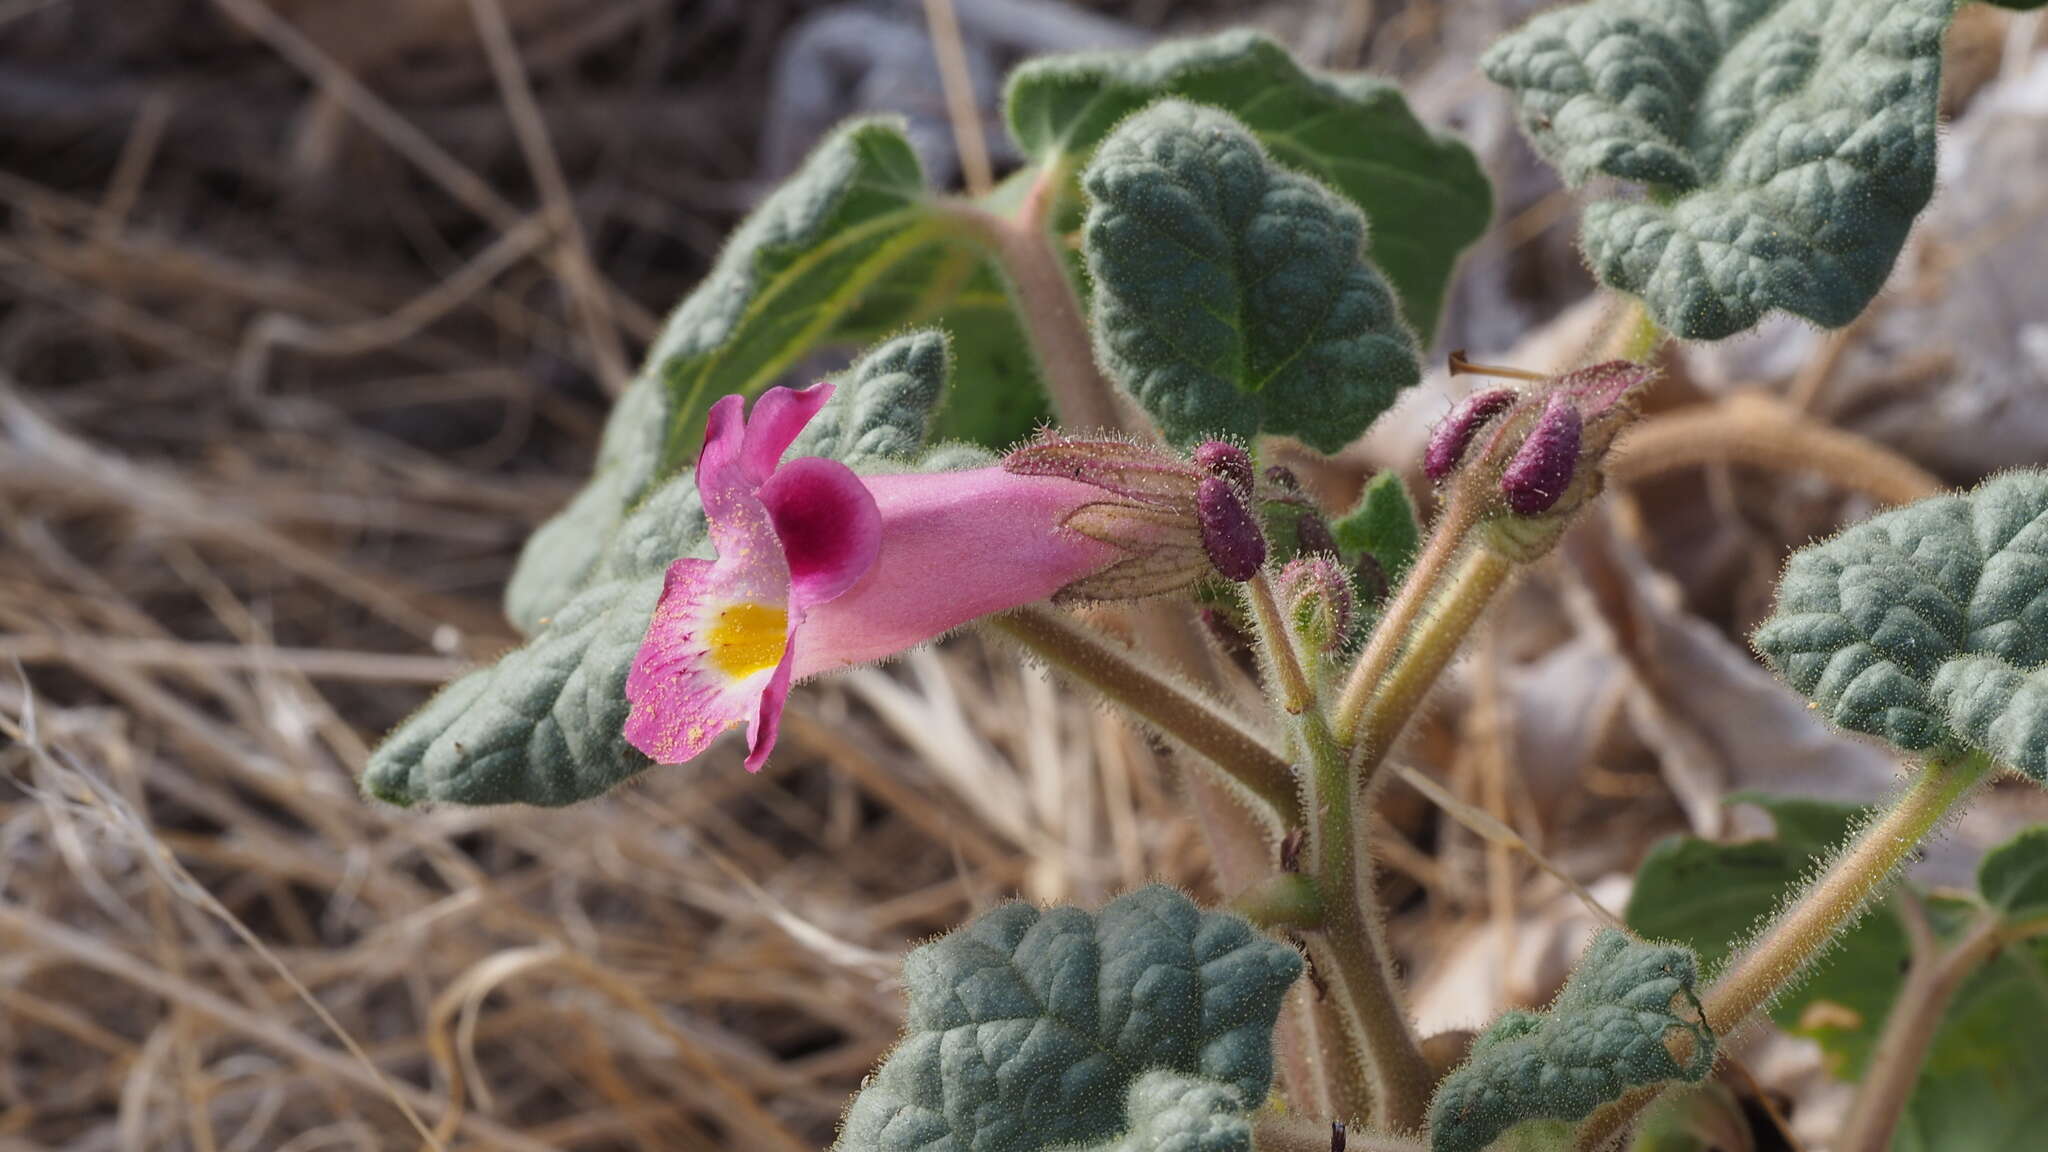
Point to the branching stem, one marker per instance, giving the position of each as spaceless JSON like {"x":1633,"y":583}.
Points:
{"x":1348,"y":950}
{"x":1429,"y":570}
{"x":1278,"y":644}
{"x":1916,"y":1015}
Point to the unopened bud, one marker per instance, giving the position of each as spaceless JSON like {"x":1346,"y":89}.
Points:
{"x":1449,"y":440}
{"x":1318,"y":599}
{"x":1230,"y":535}
{"x":1542,"y":467}
{"x":1312,"y":534}
{"x":1282,"y":477}
{"x":1226,"y":462}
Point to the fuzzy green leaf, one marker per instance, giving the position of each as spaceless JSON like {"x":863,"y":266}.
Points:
{"x":1381,"y":525}
{"x":1423,"y":192}
{"x":1787,"y":145}
{"x":2014,"y":875}
{"x":1232,"y":296}
{"x":545,"y":723}
{"x":847,"y":252}
{"x":1928,"y":624}
{"x":1132,"y":1029}
{"x":1614,"y":1026}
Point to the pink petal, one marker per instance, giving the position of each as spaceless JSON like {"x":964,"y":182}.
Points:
{"x":768,"y":712}
{"x":955,"y":546}
{"x":828,"y":523}
{"x":778,"y":416}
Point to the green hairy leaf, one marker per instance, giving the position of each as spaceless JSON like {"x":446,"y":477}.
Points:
{"x":1786,"y":145}
{"x":847,"y":251}
{"x":1424,"y":193}
{"x":1617,"y":1024}
{"x":1382,"y":525}
{"x":2014,"y":875}
{"x":545,"y":723}
{"x":1232,"y":296}
{"x":1145,"y":1027}
{"x":1928,"y":624}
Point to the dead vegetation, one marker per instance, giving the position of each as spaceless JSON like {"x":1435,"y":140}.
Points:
{"x":309,"y":311}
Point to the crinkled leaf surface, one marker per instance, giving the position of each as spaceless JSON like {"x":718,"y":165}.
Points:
{"x":1381,"y":525}
{"x":1232,"y":296}
{"x":1928,"y":624}
{"x":847,"y":251}
{"x":1787,"y":145}
{"x":1145,"y":1027}
{"x":1607,"y":1031}
{"x":1423,"y":193}
{"x":545,"y":723}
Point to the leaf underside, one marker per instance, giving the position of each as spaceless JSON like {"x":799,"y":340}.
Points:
{"x":1145,"y":1027}
{"x":1786,"y":145}
{"x":1609,"y":1030}
{"x":545,"y":723}
{"x":1232,"y":296}
{"x":1424,"y":193}
{"x":1928,"y":625}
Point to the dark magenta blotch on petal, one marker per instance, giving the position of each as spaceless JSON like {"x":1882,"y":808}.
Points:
{"x":829,"y":526}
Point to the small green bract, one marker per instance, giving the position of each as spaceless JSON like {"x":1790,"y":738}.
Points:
{"x":1786,"y":145}
{"x":1928,"y":625}
{"x":1145,"y":1027}
{"x":1609,"y":1030}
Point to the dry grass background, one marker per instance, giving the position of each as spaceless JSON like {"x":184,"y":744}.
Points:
{"x":309,"y":311}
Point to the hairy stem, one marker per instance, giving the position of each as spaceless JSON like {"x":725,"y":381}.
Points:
{"x":1916,"y":1015}
{"x":1479,"y":573}
{"x":1082,"y":396}
{"x":1177,"y":710}
{"x":1278,"y":645}
{"x":1429,"y":570}
{"x":1804,"y":928}
{"x":1349,"y":952}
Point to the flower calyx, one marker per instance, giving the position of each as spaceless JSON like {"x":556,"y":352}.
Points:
{"x":1534,"y":456}
{"x":1177,"y":520}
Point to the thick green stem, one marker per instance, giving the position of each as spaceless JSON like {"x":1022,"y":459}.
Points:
{"x":1181,"y":712}
{"x":1349,"y":953}
{"x":1805,"y":928}
{"x":1429,"y":570}
{"x":1432,"y":645}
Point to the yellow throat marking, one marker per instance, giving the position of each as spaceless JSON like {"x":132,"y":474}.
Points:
{"x":747,"y":638}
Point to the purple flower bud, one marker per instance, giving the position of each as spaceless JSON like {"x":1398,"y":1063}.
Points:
{"x":1229,"y":533}
{"x":1283,"y":478}
{"x":1312,"y":534}
{"x":1226,"y":462}
{"x":1447,"y":443}
{"x":1542,"y":467}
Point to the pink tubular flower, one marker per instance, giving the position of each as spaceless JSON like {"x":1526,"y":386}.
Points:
{"x":819,"y":569}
